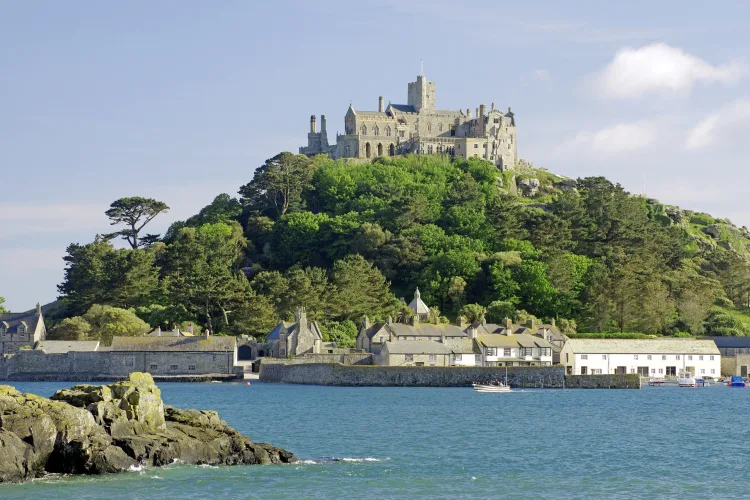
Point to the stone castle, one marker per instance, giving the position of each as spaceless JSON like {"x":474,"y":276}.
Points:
{"x":418,"y":127}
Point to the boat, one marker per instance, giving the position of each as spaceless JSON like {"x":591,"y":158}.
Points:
{"x":686,"y":379}
{"x":736,"y":381}
{"x":491,"y":387}
{"x":653,"y":381}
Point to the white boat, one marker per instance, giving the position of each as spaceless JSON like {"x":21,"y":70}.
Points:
{"x":686,"y":379}
{"x":491,"y":388}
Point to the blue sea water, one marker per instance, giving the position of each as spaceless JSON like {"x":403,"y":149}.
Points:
{"x":450,"y":443}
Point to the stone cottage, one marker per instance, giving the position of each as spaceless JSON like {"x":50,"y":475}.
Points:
{"x":294,"y":339}
{"x":19,"y":330}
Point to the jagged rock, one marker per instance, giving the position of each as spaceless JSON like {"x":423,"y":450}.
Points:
{"x":99,"y":429}
{"x":529,"y":187}
{"x":674,"y":213}
{"x":714,"y":231}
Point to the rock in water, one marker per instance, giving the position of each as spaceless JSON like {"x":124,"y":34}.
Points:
{"x":98,"y":429}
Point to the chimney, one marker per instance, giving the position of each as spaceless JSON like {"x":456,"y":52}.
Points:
{"x":322,"y":124}
{"x":300,"y":316}
{"x":365,"y":322}
{"x":38,"y":309}
{"x":468,"y":112}
{"x":461,"y":322}
{"x":389,"y":321}
{"x":442,"y":338}
{"x":553,"y":322}
{"x":508,"y":326}
{"x":415,"y":319}
{"x":493,"y":107}
{"x":158,"y":331}
{"x":482,"y":112}
{"x":312,"y":124}
{"x":530,"y":323}
{"x":477,"y":112}
{"x":472,"y":332}
{"x":380,"y":104}
{"x":484,"y":321}
{"x":208,"y":333}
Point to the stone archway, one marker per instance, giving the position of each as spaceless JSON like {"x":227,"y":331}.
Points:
{"x":392,"y":150}
{"x":380,"y":150}
{"x":244,"y":352}
{"x":368,"y":153}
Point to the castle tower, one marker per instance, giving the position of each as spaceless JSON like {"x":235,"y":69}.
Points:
{"x":312,"y":124}
{"x":422,"y":94}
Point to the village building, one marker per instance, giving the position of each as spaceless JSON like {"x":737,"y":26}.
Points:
{"x":21,"y":330}
{"x":735,"y":355}
{"x":415,"y":353}
{"x":419,"y":127}
{"x":65,"y":346}
{"x":161,"y":356}
{"x":662,"y":357}
{"x":512,"y":345}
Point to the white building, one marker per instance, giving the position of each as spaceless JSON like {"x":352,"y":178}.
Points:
{"x":511,"y":349}
{"x":664,"y":357}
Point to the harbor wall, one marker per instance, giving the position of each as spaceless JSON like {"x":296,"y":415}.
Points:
{"x":429,"y":376}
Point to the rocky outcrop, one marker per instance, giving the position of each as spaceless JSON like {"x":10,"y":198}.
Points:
{"x":529,"y":187}
{"x":99,"y":429}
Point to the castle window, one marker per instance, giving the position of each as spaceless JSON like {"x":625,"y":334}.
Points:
{"x":368,"y":151}
{"x":416,"y":126}
{"x":152,"y":367}
{"x":376,"y":130}
{"x":476,"y":146}
{"x":429,"y":127}
{"x":191,"y":367}
{"x":363,"y":130}
{"x":440,"y":127}
{"x":388,"y":131}
{"x":380,"y":150}
{"x":429,"y":149}
{"x":22,"y":329}
{"x":401,"y":133}
{"x":497,"y":120}
{"x":172,"y":367}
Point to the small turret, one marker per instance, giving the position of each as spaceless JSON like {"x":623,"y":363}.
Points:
{"x":322,"y":124}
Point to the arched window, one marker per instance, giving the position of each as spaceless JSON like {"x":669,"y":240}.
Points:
{"x":440,"y":127}
{"x":368,"y":153}
{"x":430,"y":149}
{"x":392,"y":150}
{"x":363,"y":130}
{"x":429,"y":127}
{"x":387,"y":130}
{"x":380,"y":149}
{"x":376,"y":130}
{"x":347,"y":150}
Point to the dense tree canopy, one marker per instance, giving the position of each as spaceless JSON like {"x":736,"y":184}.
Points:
{"x":345,"y":239}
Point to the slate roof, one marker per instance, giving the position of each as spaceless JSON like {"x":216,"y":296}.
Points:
{"x":515,"y":340}
{"x":181,"y":344}
{"x":170,"y":333}
{"x":426,"y":330}
{"x":13,"y":320}
{"x":417,"y":305}
{"x":403,"y":108}
{"x":643,"y":346}
{"x":63,"y":346}
{"x":417,"y":347}
{"x":464,"y":346}
{"x":730,"y":341}
{"x":282,"y":326}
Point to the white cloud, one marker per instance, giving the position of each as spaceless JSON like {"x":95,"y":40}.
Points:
{"x":617,"y":138}
{"x":721,"y":124}
{"x":658,"y":67}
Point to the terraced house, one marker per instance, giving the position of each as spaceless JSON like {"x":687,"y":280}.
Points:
{"x":21,"y":330}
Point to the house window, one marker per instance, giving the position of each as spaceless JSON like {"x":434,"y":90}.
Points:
{"x":671,"y":371}
{"x":677,"y":357}
{"x":476,"y":146}
{"x":584,"y":356}
{"x":597,"y":371}
{"x":703,"y":370}
{"x":432,"y":357}
{"x":408,"y":357}
{"x":22,"y":329}
{"x":429,"y":127}
{"x":653,"y":370}
{"x":632,"y":370}
{"x":457,"y":357}
{"x":648,"y":357}
{"x":635,"y":356}
{"x":583,"y":370}
{"x":661,"y":370}
{"x":711,"y":358}
{"x":690,"y":357}
{"x":478,"y":359}
{"x":506,"y":352}
{"x":191,"y":367}
{"x":152,"y":367}
{"x":172,"y":367}
{"x":604,"y":356}
{"x":416,"y":126}
{"x":663,"y":356}
{"x":3,"y":330}
{"x":497,"y":120}
{"x":381,"y":339}
{"x":713,"y":371}
{"x":491,"y":351}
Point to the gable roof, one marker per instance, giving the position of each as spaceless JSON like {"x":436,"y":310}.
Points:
{"x":730,"y":341}
{"x":514,"y":340}
{"x":403,"y":108}
{"x":13,"y":320}
{"x":643,"y":346}
{"x":426,"y":330}
{"x":416,"y":347}
{"x":282,"y":327}
{"x":63,"y":346}
{"x":182,"y":344}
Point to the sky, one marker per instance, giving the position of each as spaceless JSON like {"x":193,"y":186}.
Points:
{"x":180,"y":100}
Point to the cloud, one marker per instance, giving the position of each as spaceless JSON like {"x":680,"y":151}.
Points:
{"x":659,"y":67}
{"x":722,"y":124}
{"x":617,"y":138}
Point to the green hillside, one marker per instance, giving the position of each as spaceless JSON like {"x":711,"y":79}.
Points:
{"x":346,"y":239}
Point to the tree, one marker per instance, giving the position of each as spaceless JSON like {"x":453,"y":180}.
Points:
{"x":2,"y":309}
{"x":360,"y":289}
{"x":474,"y":313}
{"x":107,"y":322}
{"x":498,"y":310}
{"x":75,"y":328}
{"x":135,"y":212}
{"x":343,"y":333}
{"x":278,"y":184}
{"x":693,"y":308}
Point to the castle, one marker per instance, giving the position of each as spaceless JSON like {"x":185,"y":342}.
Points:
{"x":417,"y":127}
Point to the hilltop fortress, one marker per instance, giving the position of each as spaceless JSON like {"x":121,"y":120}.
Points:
{"x":418,"y":127}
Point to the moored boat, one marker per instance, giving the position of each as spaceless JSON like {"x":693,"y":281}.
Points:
{"x":686,"y":379}
{"x":736,"y":381}
{"x":491,"y":388}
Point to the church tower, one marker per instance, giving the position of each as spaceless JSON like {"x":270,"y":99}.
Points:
{"x":422,"y":94}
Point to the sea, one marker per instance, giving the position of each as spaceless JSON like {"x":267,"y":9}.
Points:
{"x":398,"y":442}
